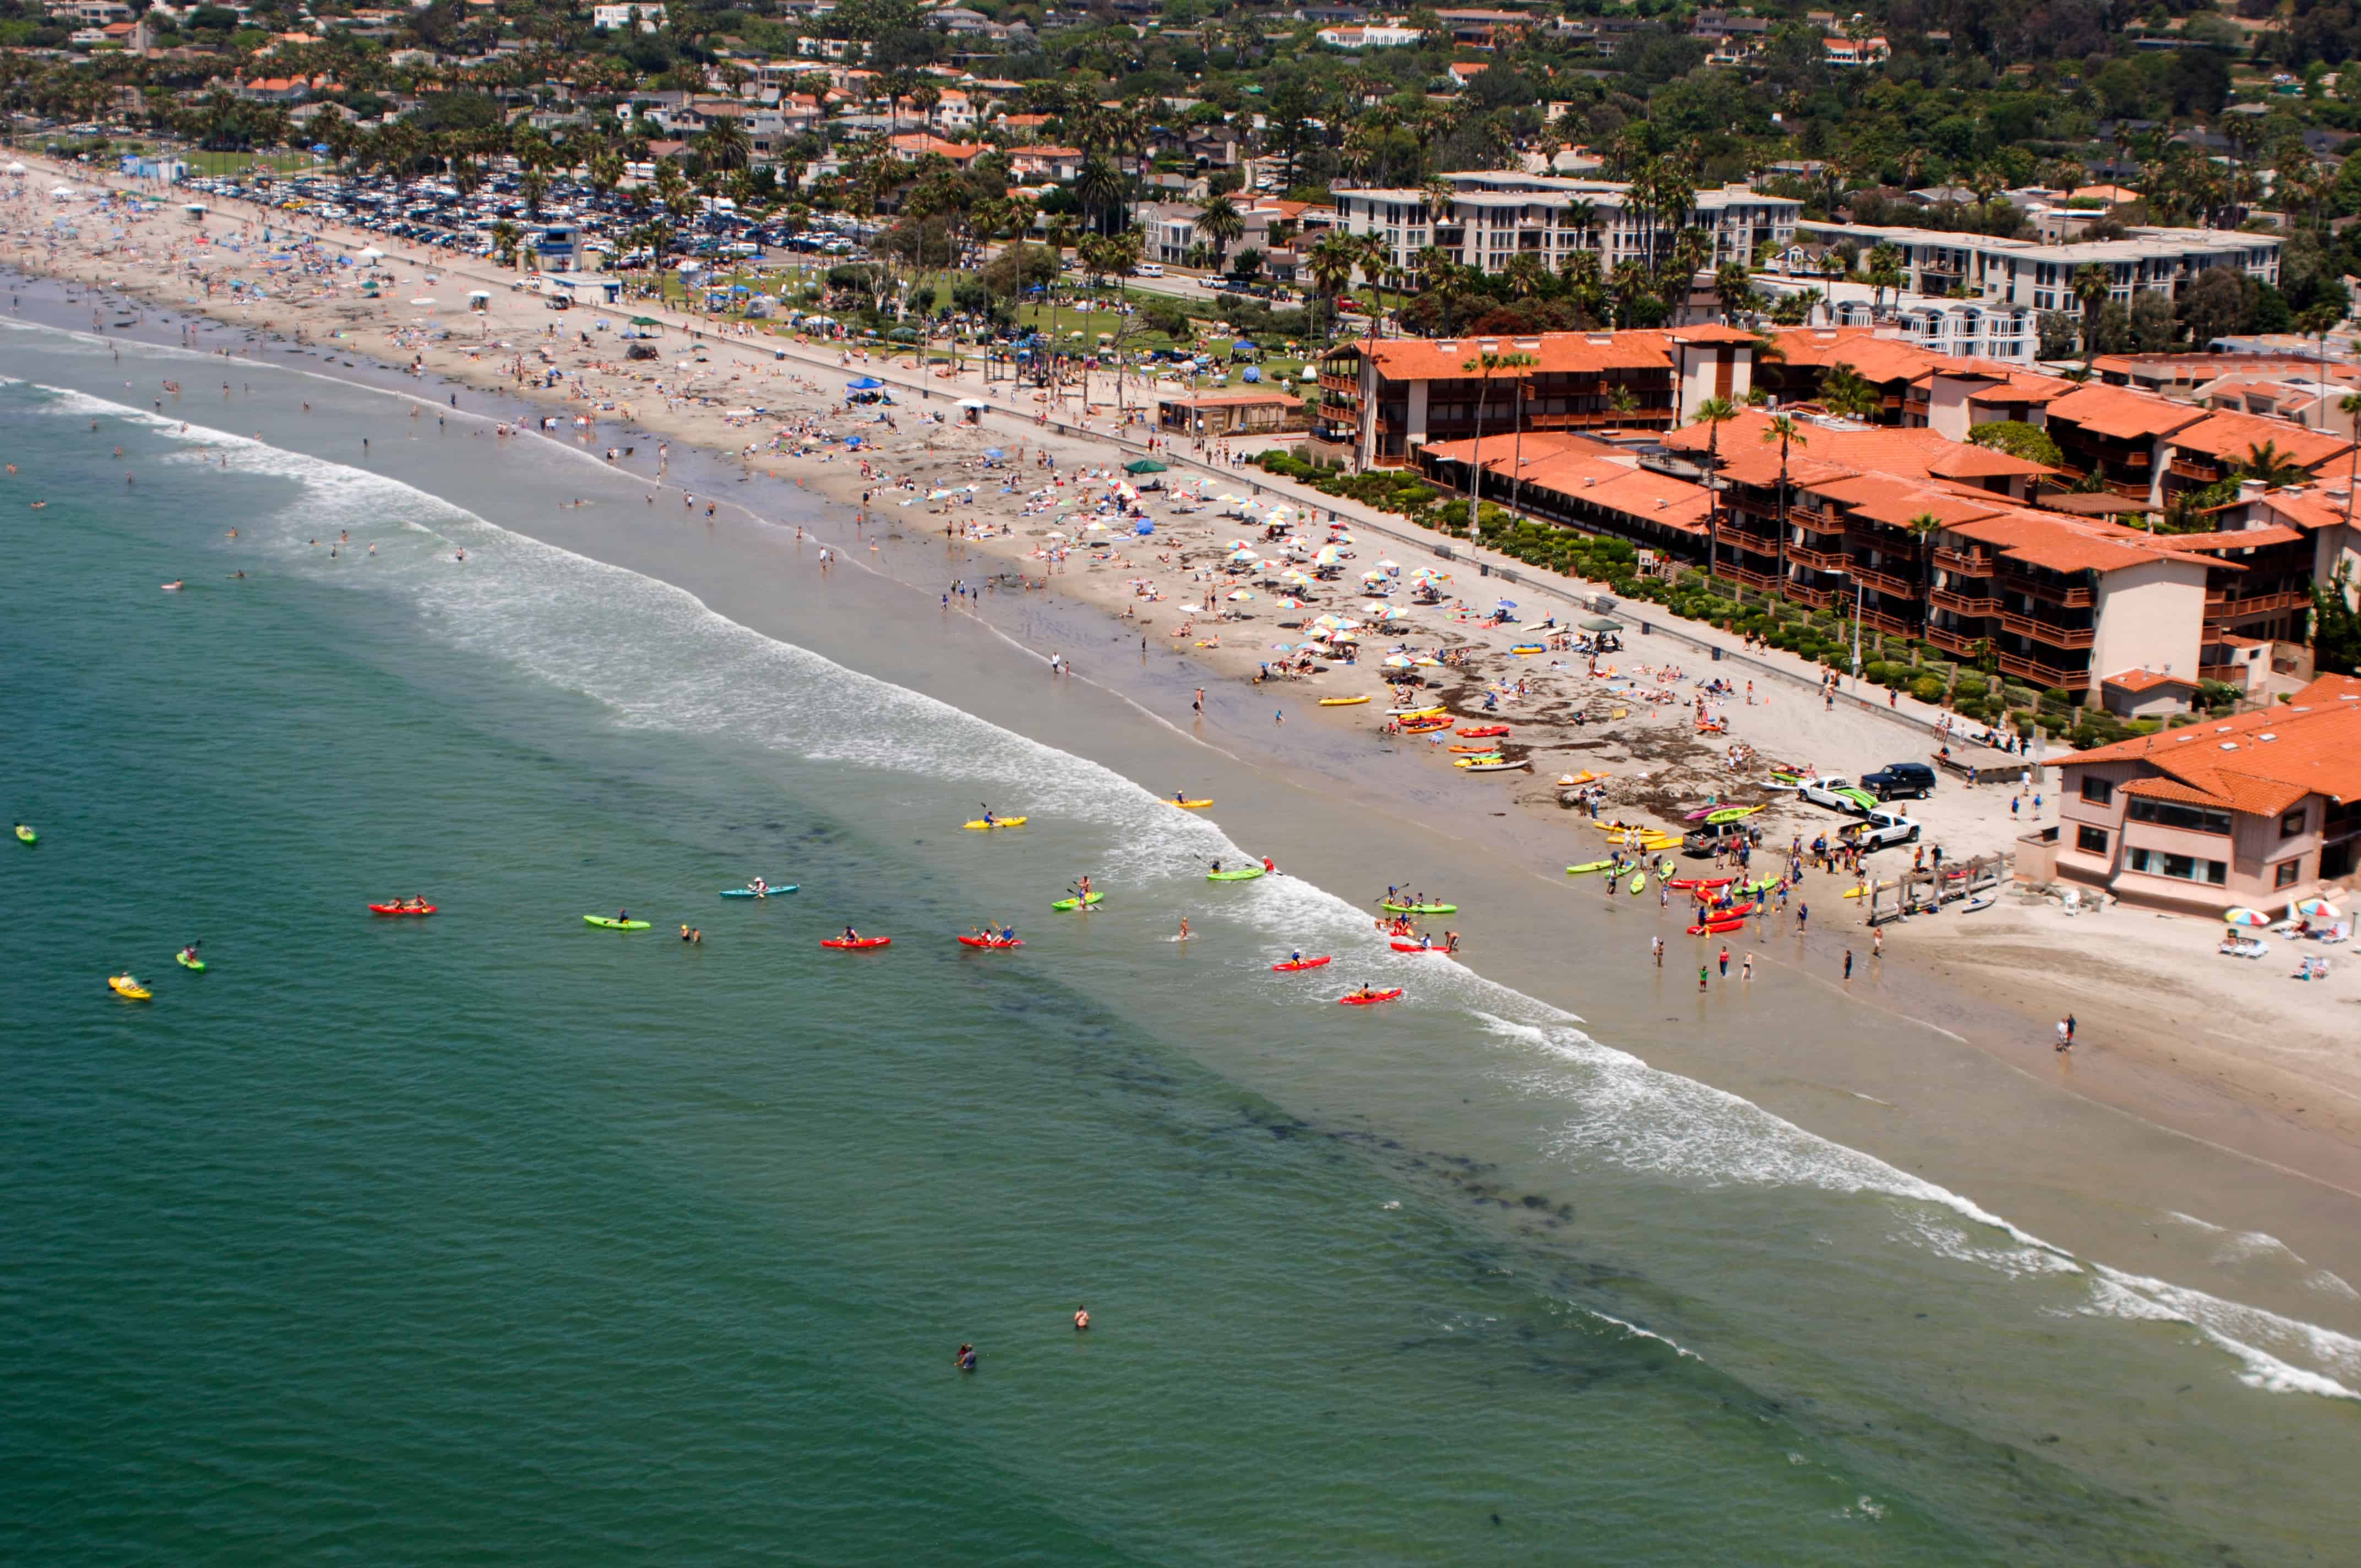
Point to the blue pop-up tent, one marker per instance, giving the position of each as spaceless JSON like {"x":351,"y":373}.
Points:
{"x":866,"y":384}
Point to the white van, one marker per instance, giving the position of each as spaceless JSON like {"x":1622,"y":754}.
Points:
{"x":1147,"y":269}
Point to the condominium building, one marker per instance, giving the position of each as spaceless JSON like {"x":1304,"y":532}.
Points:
{"x":1381,"y":401}
{"x":1496,"y":214}
{"x":2023,"y":272}
{"x":2260,"y":810}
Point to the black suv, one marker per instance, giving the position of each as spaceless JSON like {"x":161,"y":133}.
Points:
{"x":1901,"y":781}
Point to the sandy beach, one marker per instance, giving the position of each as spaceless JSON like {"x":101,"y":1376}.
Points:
{"x":2226,"y":1050}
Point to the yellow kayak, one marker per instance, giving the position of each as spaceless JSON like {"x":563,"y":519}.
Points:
{"x":1190,"y":805}
{"x":1584,"y":777}
{"x":1341,"y":701}
{"x":126,"y":986}
{"x":980,"y":824}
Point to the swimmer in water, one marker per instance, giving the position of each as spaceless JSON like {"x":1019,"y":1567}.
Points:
{"x":1184,"y":927}
{"x":1081,"y":1320}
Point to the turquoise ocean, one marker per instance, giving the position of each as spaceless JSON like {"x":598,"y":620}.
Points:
{"x":492,"y":1237}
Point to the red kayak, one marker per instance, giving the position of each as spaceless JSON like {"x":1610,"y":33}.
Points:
{"x":1393,"y":995}
{"x":1307,"y":963}
{"x":1418,"y":947}
{"x":864,"y":942}
{"x":398,"y":909}
{"x":1715,"y":926}
{"x":978,"y":941}
{"x":1483,"y":731}
{"x":1701,"y":881}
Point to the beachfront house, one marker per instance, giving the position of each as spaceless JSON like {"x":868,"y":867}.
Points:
{"x":1220,"y":415}
{"x":2256,"y":811}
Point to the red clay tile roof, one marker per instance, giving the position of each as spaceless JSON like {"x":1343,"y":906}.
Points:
{"x":1709,"y":334}
{"x":2146,"y":680}
{"x":1556,"y":353}
{"x":2124,"y":414}
{"x":2231,"y":436}
{"x":2260,"y":764}
{"x":2237,"y":539}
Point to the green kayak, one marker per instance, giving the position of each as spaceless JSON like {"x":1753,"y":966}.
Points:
{"x":1639,"y":882}
{"x":604,"y":924}
{"x":1249,"y":874}
{"x":1588,"y":866}
{"x":1424,"y":908}
{"x":1077,"y":903}
{"x":25,"y":835}
{"x":188,"y":963}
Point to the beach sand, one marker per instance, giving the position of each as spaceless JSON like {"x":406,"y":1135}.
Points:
{"x":2224,"y":1050}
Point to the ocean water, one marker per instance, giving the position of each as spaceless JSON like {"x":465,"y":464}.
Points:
{"x":493,"y":1236}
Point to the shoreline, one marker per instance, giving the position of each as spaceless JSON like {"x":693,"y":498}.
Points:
{"x":2230,"y":1104}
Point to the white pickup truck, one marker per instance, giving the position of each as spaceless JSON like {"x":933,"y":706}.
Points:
{"x":1836,"y":793}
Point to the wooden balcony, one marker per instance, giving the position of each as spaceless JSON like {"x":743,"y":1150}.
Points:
{"x":1767,"y":581}
{"x":2198,"y":471}
{"x":1952,"y":640}
{"x":1765,"y":545}
{"x":1819,"y":519}
{"x":1883,"y":581}
{"x":2241,"y":607}
{"x":1347,"y":385}
{"x":1967,"y":563}
{"x":1892,"y":624}
{"x":2048,"y":634}
{"x":2044,"y":675}
{"x":1818,"y":560}
{"x":2050,"y":592}
{"x":1812,"y":597}
{"x":1964,"y":604}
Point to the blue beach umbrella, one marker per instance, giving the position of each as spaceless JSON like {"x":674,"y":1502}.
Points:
{"x":866,"y":384}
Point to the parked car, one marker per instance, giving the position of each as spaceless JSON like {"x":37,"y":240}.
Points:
{"x":1837,"y":793}
{"x":1900,"y":780}
{"x":1711,"y":835}
{"x":1881,"y":830}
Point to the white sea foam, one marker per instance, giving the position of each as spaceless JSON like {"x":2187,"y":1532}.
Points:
{"x":1636,"y":1331}
{"x":561,"y":617}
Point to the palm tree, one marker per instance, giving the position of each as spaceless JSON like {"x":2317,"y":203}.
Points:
{"x":2314,"y":321}
{"x":1845,"y":391}
{"x":1579,"y":271}
{"x":1732,"y":284}
{"x":1526,"y":273}
{"x":1375,"y":259}
{"x":1885,"y":272}
{"x":1629,"y":286}
{"x":1833,"y":266}
{"x":2272,"y":466}
{"x":725,"y":144}
{"x":1223,"y":224}
{"x":1330,"y":263}
{"x":2091,"y":286}
{"x":2349,"y":405}
{"x":1783,"y":429}
{"x":1099,"y":186}
{"x":1713,"y":413}
{"x":505,"y":236}
{"x":1481,"y":367}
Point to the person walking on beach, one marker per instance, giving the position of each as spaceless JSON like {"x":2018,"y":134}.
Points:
{"x":1746,"y":969}
{"x":1702,"y":971}
{"x":1725,"y":961}
{"x":1847,"y":973}
{"x":1656,"y":950}
{"x":1802,"y":918}
{"x":2065,"y":1035}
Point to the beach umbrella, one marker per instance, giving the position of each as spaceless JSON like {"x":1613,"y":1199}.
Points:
{"x":1600,"y":623}
{"x":1290,"y":604}
{"x":1145,"y":465}
{"x":1240,"y":594}
{"x":1397,"y":662}
{"x":1389,"y":567}
{"x":865,"y":384}
{"x":1328,"y":556}
{"x":974,"y":403}
{"x":2245,"y":918}
{"x":995,"y":453}
{"x":1507,"y":604}
{"x":2319,"y":909}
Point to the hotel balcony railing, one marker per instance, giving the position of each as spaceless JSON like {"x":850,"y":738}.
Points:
{"x":1883,"y":581}
{"x":1967,"y":563}
{"x":2048,"y":592}
{"x":2045,"y":675}
{"x":1815,"y":598}
{"x":1964,"y":604}
{"x":1952,"y":640}
{"x":2204,"y":471}
{"x":1818,"y":560}
{"x":2238,"y":606}
{"x":2045,"y":632}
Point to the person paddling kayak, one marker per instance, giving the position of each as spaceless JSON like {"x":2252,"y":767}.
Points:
{"x":189,"y":953}
{"x":850,"y":935}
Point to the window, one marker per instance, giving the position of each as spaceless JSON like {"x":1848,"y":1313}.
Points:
{"x":2091,"y":840}
{"x":2098,"y":792}
{"x":2186,"y":868}
{"x":2172,"y":813}
{"x":2286,"y":871}
{"x":2292,"y":823}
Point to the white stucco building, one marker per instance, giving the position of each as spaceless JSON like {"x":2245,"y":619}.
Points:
{"x":1497,"y":213}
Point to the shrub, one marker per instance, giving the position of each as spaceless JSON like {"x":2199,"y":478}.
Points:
{"x":1927,"y":688}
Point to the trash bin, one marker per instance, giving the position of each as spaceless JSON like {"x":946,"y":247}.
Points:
{"x":1717,"y":655}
